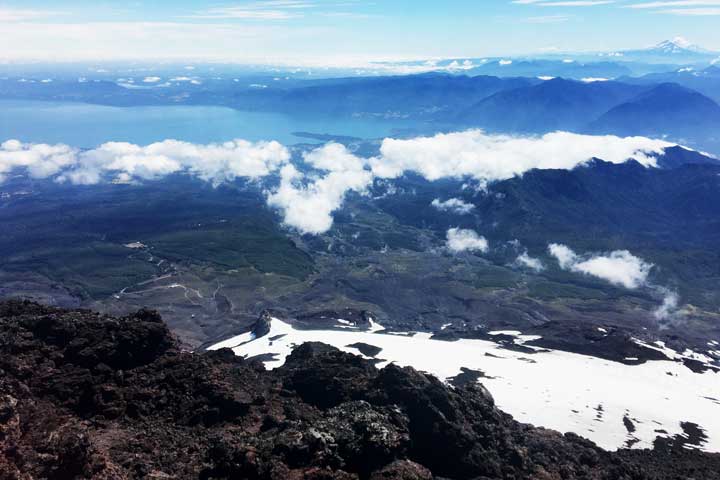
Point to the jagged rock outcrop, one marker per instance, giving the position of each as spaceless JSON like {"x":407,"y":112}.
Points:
{"x":262,"y":325}
{"x":90,"y":396}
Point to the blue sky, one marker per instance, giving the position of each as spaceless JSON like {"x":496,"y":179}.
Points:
{"x":343,"y":31}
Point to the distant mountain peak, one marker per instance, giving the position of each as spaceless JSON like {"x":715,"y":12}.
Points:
{"x":677,"y":45}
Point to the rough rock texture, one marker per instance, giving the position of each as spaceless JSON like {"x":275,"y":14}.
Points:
{"x":89,"y":396}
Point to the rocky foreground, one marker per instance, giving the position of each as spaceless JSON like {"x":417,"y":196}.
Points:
{"x":90,"y":396}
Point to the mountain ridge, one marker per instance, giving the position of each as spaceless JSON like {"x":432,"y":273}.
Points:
{"x":556,"y":104}
{"x":668,"y":108}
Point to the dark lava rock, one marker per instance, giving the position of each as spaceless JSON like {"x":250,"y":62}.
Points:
{"x":262,"y":325}
{"x":329,"y":318}
{"x":402,"y":470}
{"x":699,"y":367}
{"x":90,"y":396}
{"x":366,"y":349}
{"x":467,"y":376}
{"x":616,"y":345}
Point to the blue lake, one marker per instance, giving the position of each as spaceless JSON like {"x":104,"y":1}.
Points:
{"x":86,"y":126}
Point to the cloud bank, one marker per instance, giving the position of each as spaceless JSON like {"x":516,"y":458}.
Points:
{"x":308,"y":194}
{"x":213,"y":162}
{"x":619,"y":267}
{"x":486,"y":157}
{"x":38,"y":161}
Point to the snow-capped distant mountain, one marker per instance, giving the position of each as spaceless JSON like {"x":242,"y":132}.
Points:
{"x":677,"y":45}
{"x":677,"y":50}
{"x":658,"y":58}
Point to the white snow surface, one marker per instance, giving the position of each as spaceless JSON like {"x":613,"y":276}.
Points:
{"x":564,"y":391}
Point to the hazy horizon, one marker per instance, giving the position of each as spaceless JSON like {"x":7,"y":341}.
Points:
{"x":298,"y":32}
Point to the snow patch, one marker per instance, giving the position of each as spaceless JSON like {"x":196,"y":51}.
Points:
{"x":559,"y":390}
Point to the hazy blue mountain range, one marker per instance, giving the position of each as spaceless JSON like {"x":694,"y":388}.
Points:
{"x":666,"y":109}
{"x":556,"y":104}
{"x":567,"y":68}
{"x":429,"y":95}
{"x":704,"y":80}
{"x":653,"y":105}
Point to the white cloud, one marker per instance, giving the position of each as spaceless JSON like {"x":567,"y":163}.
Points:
{"x":229,"y":160}
{"x":454,"y":205}
{"x":669,"y":309}
{"x":674,"y":3}
{"x":565,"y":257}
{"x":215,"y":163}
{"x":526,"y":261}
{"x":307,"y":203}
{"x":693,"y":12}
{"x":571,"y":3}
{"x":619,"y":267}
{"x":461,"y":240}
{"x":576,"y":3}
{"x":309,"y":206}
{"x":260,"y":10}
{"x":37,"y":160}
{"x":334,"y":157}
{"x":481,"y":156}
